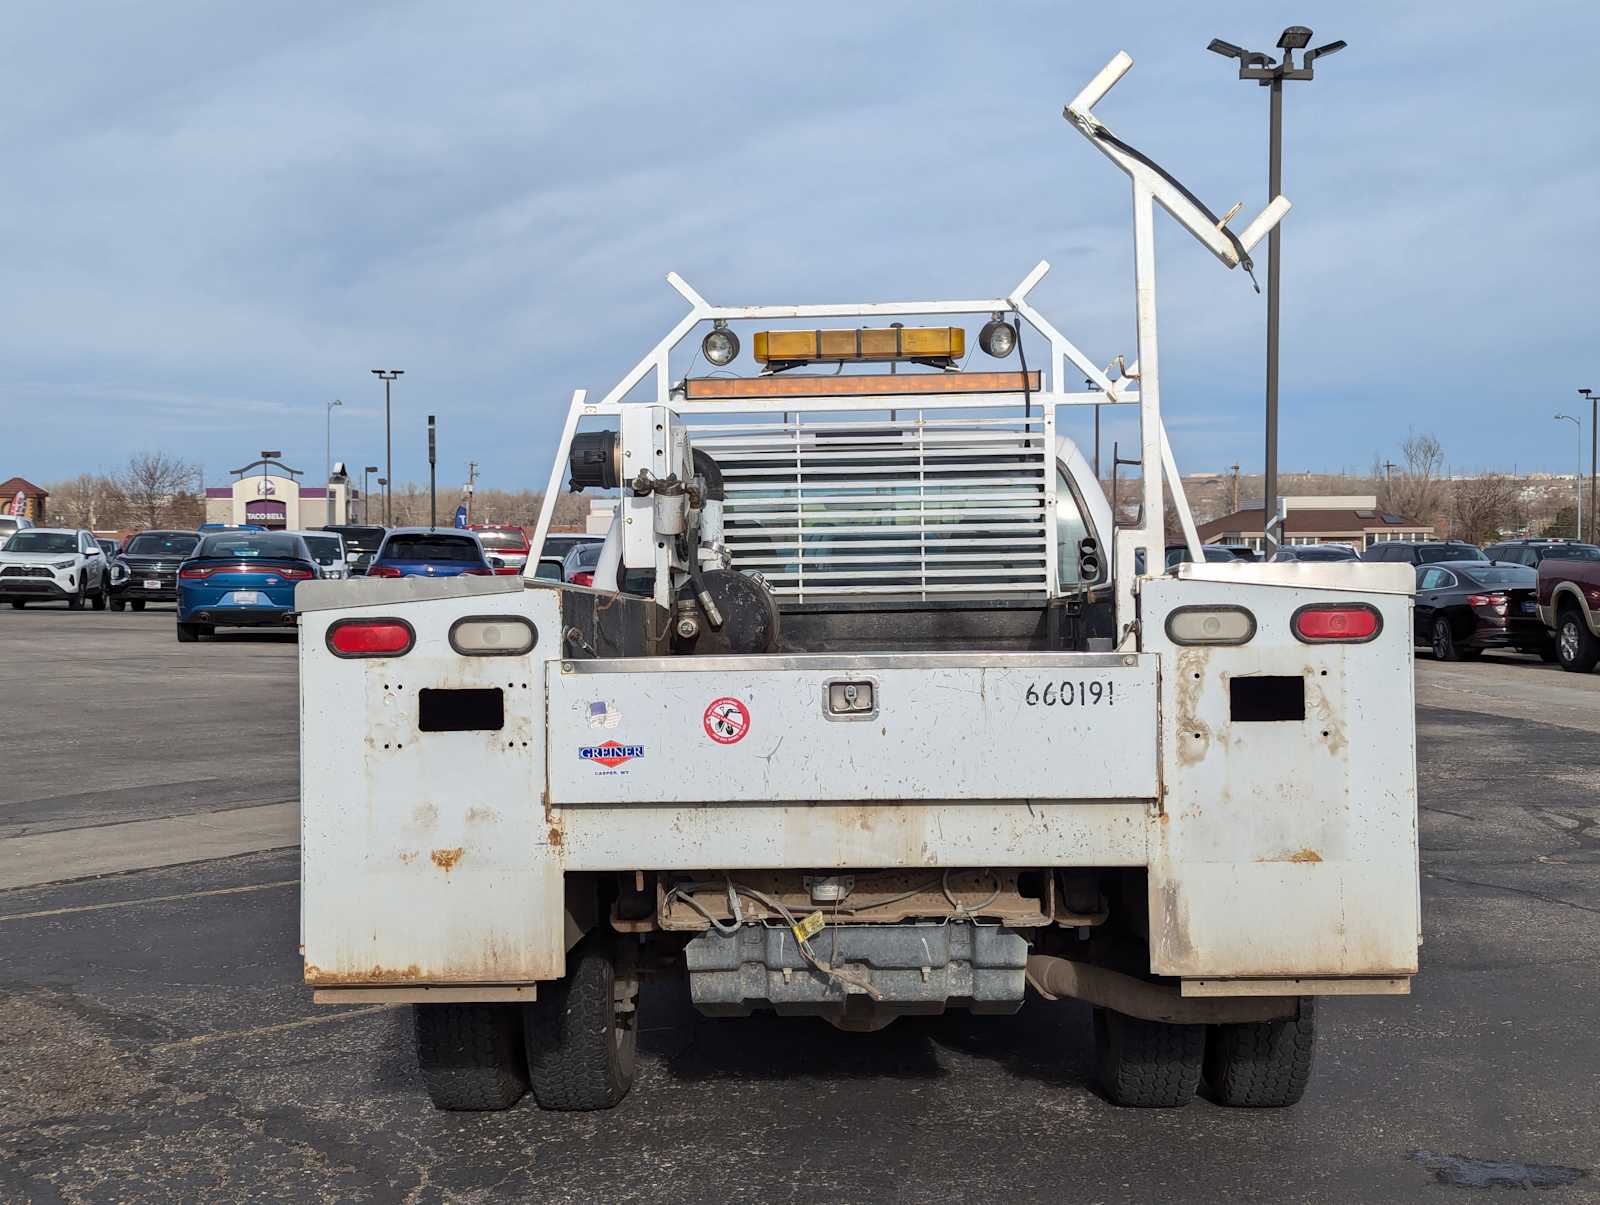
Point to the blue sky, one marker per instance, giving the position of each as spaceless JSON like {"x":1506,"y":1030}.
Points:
{"x":220,"y":217}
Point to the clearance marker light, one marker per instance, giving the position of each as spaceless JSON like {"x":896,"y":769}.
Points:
{"x":1336,"y":623}
{"x":492,"y":636}
{"x":371,"y":638}
{"x":1210,"y":625}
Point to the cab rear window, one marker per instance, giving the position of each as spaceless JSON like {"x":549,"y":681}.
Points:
{"x":429,"y":548}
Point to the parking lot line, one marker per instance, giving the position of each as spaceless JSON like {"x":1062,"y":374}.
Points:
{"x":149,"y":899}
{"x":207,"y":1038}
{"x":82,"y":853}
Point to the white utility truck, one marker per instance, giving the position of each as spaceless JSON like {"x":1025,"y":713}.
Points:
{"x":873,"y":710}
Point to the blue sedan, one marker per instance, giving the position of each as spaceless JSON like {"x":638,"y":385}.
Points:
{"x":241,"y":579}
{"x":431,"y":552}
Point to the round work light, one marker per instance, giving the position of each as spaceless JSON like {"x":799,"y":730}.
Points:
{"x":720,"y":346}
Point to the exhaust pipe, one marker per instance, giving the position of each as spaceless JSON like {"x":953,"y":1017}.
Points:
{"x":1061,"y":978}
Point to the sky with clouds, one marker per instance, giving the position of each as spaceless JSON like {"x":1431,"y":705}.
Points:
{"x":222,"y":216}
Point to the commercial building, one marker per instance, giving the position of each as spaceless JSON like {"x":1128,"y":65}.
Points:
{"x":1352,"y":519}
{"x":268,"y":493}
{"x":19,"y":496}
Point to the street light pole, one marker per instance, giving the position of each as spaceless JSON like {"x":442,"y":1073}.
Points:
{"x":327,"y":458}
{"x":1255,"y":65}
{"x":387,"y":376}
{"x":1578,"y":424}
{"x":366,"y":506}
{"x":1594,"y":505}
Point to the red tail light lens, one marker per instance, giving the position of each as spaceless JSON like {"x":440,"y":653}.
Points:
{"x":384,"y":571}
{"x":1497,"y":601}
{"x":194,"y":573}
{"x":371,"y":638}
{"x":583,"y":579}
{"x":503,"y":571}
{"x":1336,"y":623}
{"x":295,"y":575}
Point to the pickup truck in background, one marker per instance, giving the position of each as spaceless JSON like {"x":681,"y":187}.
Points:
{"x":1569,"y":604}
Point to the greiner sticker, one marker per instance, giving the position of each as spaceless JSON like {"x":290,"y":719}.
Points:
{"x":727,"y":720}
{"x":611,"y":754}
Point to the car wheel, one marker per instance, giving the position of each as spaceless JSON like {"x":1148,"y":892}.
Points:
{"x":1444,"y":642}
{"x":119,"y":604}
{"x":18,"y":603}
{"x":1576,"y":646}
{"x":188,"y":633}
{"x":75,"y":601}
{"x":1147,"y":1064}
{"x":101,"y":596}
{"x":137,"y":604}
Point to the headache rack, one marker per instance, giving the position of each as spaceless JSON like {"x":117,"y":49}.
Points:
{"x":925,"y":485}
{"x":911,"y":504}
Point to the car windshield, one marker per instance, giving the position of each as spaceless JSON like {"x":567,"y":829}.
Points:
{"x":503,"y":537}
{"x":248,"y":546}
{"x":1573,"y":552}
{"x":177,"y":543}
{"x":430,"y":547}
{"x":584,"y":556}
{"x":1498,"y":575}
{"x":324,"y":549}
{"x":1325,"y":554}
{"x":42,"y":541}
{"x":1448,"y":552}
{"x":361,"y":539}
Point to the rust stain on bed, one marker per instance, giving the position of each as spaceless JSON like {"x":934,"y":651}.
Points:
{"x":446,"y":859}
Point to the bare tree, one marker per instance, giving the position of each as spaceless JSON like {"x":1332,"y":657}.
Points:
{"x":87,"y":500}
{"x":159,"y":489}
{"x":1483,"y":508}
{"x":1417,"y":491}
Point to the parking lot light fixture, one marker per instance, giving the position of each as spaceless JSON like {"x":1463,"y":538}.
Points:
{"x":1578,"y":423}
{"x":1258,"y":66}
{"x":1594,"y":446}
{"x":388,"y":376}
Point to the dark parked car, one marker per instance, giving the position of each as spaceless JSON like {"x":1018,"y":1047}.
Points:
{"x":111,"y":548}
{"x":430,"y":552}
{"x":147,"y":570}
{"x":1316,"y":552}
{"x":361,"y":541}
{"x":558,"y":544}
{"x":1215,"y":554}
{"x":1531,"y":552}
{"x":1423,"y":552}
{"x":1462,"y":607}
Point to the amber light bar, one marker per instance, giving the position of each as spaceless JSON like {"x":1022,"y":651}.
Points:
{"x":864,"y":344}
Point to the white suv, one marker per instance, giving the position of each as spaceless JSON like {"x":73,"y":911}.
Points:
{"x":54,"y":563}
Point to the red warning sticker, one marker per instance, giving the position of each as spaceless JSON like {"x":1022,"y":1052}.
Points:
{"x":727,"y":720}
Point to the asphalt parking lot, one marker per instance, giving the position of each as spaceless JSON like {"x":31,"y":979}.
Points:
{"x":158,"y":1044}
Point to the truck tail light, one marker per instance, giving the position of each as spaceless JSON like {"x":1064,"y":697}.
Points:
{"x":371,"y":638}
{"x":583,"y":579}
{"x":384,"y":571}
{"x":493,"y":636}
{"x":1210,"y":625}
{"x":1336,"y":623}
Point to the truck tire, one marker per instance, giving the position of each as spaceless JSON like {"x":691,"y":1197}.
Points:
{"x":1576,"y":647}
{"x":1147,"y":1064}
{"x":470,"y":1055}
{"x":581,"y":1043}
{"x":1266,"y":1065}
